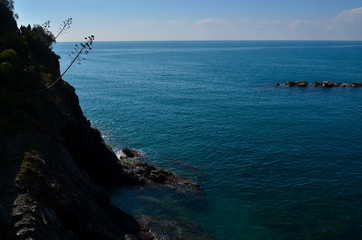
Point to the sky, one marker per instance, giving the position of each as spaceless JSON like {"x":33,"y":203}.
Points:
{"x":157,"y":20}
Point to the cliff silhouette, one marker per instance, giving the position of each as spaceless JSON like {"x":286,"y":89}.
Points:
{"x":56,"y":172}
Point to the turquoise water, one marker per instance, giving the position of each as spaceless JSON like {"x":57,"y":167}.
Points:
{"x":273,"y":162}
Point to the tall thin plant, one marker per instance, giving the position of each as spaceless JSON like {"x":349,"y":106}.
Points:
{"x":80,"y":49}
{"x":64,"y":26}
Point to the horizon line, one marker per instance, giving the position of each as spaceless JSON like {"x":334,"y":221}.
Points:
{"x":256,"y":40}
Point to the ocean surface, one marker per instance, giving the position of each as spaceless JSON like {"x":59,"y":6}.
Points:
{"x":273,"y":162}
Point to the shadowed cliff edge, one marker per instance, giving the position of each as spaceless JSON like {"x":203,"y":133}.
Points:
{"x":56,"y":172}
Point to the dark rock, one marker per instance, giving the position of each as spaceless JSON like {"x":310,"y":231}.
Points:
{"x":302,"y":84}
{"x":290,"y":83}
{"x":138,"y":172}
{"x":315,"y":84}
{"x":177,"y":228}
{"x":131,"y":153}
{"x":61,"y":182}
{"x":355,"y":84}
{"x":327,"y":84}
{"x":296,"y":83}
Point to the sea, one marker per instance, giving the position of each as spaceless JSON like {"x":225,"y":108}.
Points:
{"x":273,"y":162}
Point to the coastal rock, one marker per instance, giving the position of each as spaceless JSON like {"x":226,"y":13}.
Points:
{"x":170,"y":228}
{"x":290,"y":83}
{"x":302,"y":84}
{"x":324,"y":84}
{"x":296,"y":83}
{"x":327,"y":84}
{"x":138,"y":172}
{"x":130,"y":153}
{"x":355,"y":84}
{"x":63,"y":177}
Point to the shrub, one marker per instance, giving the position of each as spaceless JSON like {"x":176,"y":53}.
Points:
{"x":29,"y":169}
{"x":9,"y":55}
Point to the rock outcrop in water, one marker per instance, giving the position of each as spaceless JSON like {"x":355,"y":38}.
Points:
{"x":143,"y":173}
{"x":324,"y":84}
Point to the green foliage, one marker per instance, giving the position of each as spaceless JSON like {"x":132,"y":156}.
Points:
{"x":42,"y":35}
{"x":29,"y":170}
{"x":9,"y":55}
{"x":6,"y":68}
{"x":18,"y":43}
{"x":40,"y":41}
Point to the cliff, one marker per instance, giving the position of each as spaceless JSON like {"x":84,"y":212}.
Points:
{"x":55,"y":169}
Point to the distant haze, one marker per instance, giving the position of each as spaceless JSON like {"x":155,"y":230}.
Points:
{"x":144,"y":20}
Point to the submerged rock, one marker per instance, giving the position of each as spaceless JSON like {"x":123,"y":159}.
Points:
{"x":174,"y":228}
{"x":285,"y":223}
{"x":333,"y":230}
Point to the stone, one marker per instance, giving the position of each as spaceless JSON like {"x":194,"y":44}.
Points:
{"x":131,"y":153}
{"x":302,"y":84}
{"x":177,"y":228}
{"x":290,"y":83}
{"x":356,"y":84}
{"x":296,"y":83}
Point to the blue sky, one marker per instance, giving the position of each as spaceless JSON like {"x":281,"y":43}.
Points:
{"x":142,"y":20}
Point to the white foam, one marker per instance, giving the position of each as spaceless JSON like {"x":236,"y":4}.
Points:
{"x":119,"y":153}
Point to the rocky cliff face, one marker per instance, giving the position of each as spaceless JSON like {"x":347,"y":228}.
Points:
{"x":55,"y":175}
{"x":56,"y":172}
{"x":55,"y":169}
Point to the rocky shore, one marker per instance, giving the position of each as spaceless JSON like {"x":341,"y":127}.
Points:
{"x":57,"y":174}
{"x":324,"y":84}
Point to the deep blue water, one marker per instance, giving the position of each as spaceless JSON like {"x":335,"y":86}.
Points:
{"x":273,"y":162}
